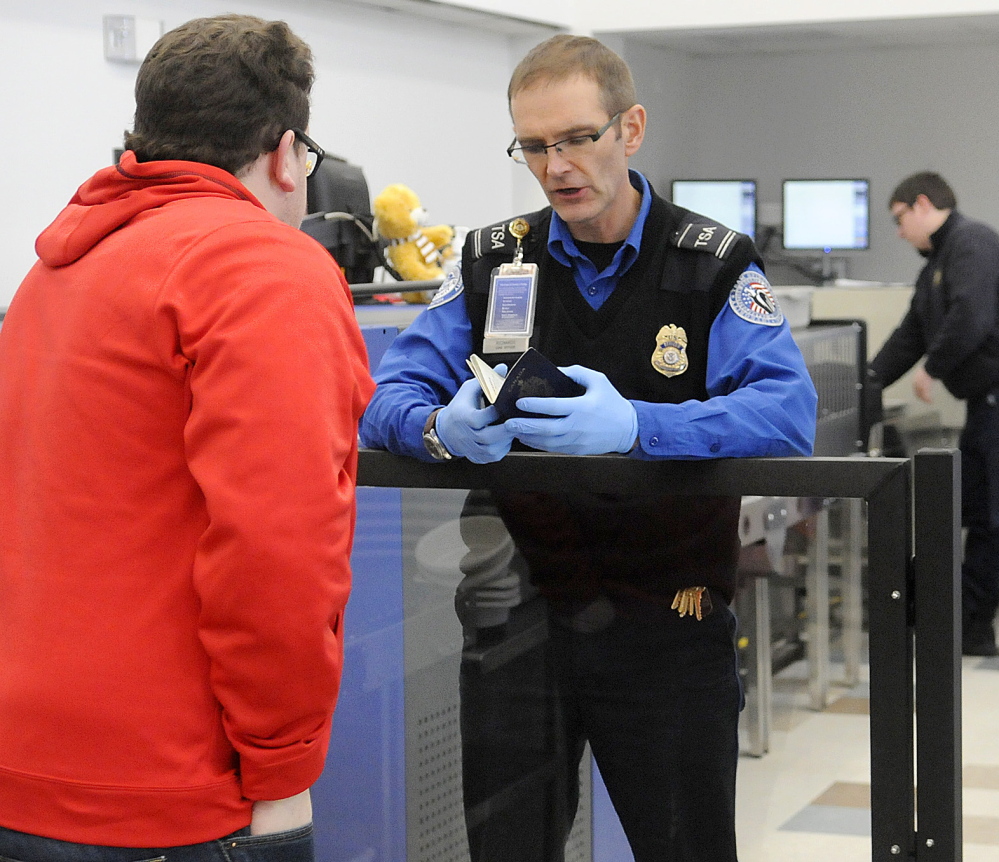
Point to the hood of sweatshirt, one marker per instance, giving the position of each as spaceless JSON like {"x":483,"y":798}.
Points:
{"x":115,"y":195}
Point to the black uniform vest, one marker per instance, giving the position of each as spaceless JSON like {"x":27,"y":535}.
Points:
{"x":580,"y":545}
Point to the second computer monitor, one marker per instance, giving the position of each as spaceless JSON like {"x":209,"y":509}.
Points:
{"x":826,"y":215}
{"x":731,"y":202}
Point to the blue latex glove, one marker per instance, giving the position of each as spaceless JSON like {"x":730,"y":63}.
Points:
{"x":595,"y":423}
{"x":464,"y":427}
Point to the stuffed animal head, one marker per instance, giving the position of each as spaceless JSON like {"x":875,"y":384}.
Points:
{"x":413,"y":251}
{"x":397,"y":212}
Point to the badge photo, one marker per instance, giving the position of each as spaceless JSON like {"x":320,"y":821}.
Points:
{"x":670,"y":356}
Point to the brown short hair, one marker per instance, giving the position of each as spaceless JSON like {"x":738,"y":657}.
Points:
{"x":221,"y":91}
{"x":924,"y":183}
{"x":565,"y":56}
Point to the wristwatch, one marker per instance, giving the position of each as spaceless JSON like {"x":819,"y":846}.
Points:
{"x":430,"y":439}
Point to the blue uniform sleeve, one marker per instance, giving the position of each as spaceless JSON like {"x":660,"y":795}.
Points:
{"x":421,"y":370}
{"x":762,"y":400}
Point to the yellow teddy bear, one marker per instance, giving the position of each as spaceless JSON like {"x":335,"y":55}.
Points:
{"x":415,"y":252}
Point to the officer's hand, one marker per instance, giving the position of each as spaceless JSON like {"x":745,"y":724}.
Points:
{"x":594,"y":423}
{"x":464,"y":428}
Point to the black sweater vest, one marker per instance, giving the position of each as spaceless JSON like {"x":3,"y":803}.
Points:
{"x":580,"y":545}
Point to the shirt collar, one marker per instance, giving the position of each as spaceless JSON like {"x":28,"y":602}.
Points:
{"x":562,"y":246}
{"x":939,"y":236}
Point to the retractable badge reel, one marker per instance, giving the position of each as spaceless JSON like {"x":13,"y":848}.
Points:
{"x":513,"y":289}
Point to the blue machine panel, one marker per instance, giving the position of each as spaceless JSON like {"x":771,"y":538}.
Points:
{"x":360,"y":799}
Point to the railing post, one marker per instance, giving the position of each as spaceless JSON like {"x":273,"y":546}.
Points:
{"x":853,"y":594}
{"x":892,"y":771}
{"x":817,"y":605}
{"x":937,"y":587}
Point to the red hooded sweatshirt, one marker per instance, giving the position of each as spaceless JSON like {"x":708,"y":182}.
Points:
{"x":181,"y":377}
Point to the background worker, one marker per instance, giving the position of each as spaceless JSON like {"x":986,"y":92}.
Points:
{"x":953,"y":321}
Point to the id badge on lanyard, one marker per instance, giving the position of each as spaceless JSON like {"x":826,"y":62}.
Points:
{"x":513,"y":291}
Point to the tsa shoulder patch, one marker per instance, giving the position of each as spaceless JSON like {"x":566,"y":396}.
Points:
{"x":708,"y":236}
{"x":452,"y":288}
{"x":753,"y":300}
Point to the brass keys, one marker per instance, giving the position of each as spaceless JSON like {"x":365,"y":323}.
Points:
{"x":692,"y":601}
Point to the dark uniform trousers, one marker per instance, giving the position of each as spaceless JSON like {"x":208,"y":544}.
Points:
{"x":980,"y":511}
{"x":664,"y":734}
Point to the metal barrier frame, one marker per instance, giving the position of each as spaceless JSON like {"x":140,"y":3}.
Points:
{"x":913,"y":598}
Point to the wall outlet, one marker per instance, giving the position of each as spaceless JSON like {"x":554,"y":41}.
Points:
{"x":127,"y":39}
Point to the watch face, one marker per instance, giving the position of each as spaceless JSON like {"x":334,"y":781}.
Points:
{"x":434,"y":446}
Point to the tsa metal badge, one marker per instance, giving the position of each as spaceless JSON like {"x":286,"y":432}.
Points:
{"x":752,"y":299}
{"x":452,"y":288}
{"x":670,"y":356}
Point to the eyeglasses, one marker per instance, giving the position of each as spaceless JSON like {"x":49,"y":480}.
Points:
{"x":897,"y":216}
{"x":574,"y":147}
{"x":314,"y":155}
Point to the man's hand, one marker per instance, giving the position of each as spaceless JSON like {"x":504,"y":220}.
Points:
{"x":922,"y":385}
{"x":280,"y":815}
{"x":595,"y":423}
{"x":465,"y":429}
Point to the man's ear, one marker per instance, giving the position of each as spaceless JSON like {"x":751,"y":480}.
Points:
{"x":283,"y":163}
{"x":633,"y":129}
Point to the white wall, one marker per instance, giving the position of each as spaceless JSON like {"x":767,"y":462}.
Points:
{"x":665,"y":83}
{"x":423,"y":102}
{"x":881,"y":114}
{"x":409,"y":99}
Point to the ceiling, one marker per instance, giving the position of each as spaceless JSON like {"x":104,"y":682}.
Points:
{"x":818,"y":36}
{"x":454,"y":13}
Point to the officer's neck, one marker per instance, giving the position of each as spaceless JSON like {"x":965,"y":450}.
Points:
{"x":614,"y":223}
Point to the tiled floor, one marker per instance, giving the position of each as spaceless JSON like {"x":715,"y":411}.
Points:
{"x":808,"y":799}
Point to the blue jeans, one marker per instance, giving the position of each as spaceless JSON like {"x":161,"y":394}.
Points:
{"x":295,"y":845}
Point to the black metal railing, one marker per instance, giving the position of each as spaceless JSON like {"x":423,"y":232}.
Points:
{"x":913,"y":598}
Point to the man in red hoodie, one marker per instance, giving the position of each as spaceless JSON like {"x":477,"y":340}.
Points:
{"x":181,"y":377}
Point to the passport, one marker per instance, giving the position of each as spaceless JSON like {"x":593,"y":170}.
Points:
{"x":533,"y":375}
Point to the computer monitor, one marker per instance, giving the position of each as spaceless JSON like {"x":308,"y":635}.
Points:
{"x":826,"y":215}
{"x":731,"y":202}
